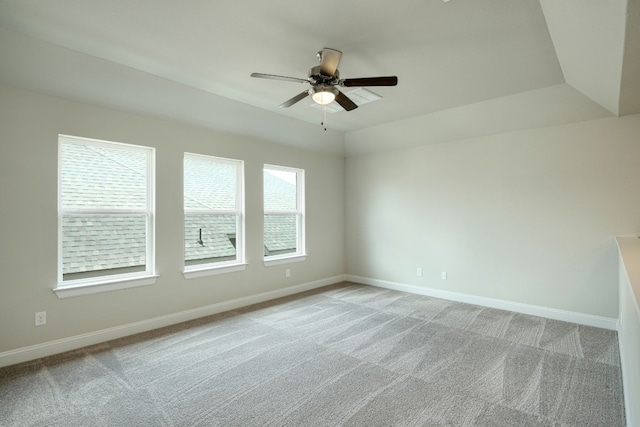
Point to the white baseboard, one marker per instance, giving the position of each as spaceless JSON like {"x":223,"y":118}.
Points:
{"x":534,"y":310}
{"x":32,"y":352}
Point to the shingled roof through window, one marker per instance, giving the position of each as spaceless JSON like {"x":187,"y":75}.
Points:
{"x":94,"y":176}
{"x":280,"y":230}
{"x":99,"y":177}
{"x":209,"y":184}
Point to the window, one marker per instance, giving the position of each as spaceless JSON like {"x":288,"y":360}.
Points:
{"x":213,"y":215}
{"x":105,"y":215}
{"x":283,"y":214}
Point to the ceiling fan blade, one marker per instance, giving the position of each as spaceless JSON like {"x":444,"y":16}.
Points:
{"x":345,"y":102}
{"x":275,"y":77}
{"x":298,"y":97}
{"x":329,"y":61}
{"x":370,"y":81}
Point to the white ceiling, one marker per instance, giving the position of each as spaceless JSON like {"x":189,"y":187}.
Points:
{"x":191,"y":60}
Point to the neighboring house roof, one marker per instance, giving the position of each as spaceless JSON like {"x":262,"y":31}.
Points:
{"x":91,"y":242}
{"x":217,"y":232}
{"x":198,"y":191}
{"x":97,"y":176}
{"x":214,"y":231}
{"x":279,"y":230}
{"x":281,"y":194}
{"x":92,"y":176}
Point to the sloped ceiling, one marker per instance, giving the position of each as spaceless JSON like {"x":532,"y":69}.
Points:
{"x":456,"y":61}
{"x":589,"y":39}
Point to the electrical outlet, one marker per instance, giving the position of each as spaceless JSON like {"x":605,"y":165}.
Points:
{"x":419,"y":272}
{"x":41,"y":318}
{"x":287,"y":273}
{"x":443,"y":275}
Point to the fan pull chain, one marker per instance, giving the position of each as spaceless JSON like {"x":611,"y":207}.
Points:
{"x":324,"y":117}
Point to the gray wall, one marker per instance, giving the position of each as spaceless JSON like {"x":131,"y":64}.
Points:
{"x":29,"y":126}
{"x":527,"y":216}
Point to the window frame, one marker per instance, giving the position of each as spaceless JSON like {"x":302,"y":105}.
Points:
{"x":218,"y":267}
{"x":301,"y":251}
{"x":109,"y":282}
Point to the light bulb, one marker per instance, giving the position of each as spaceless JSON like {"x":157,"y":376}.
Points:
{"x":324,"y":95}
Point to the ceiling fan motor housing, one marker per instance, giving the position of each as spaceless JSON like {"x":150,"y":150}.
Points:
{"x":317,"y":77}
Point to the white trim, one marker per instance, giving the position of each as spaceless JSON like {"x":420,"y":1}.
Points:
{"x":32,"y":352}
{"x":628,"y":251}
{"x":151,"y":212}
{"x":628,"y":246}
{"x":211,"y":270}
{"x":626,"y":381}
{"x":534,"y":310}
{"x":104,"y":284}
{"x":284,"y":259}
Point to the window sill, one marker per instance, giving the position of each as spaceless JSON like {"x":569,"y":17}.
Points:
{"x":194,"y":273}
{"x":103,"y":285}
{"x":284,"y":259}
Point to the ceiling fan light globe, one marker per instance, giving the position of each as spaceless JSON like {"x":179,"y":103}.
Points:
{"x":323,"y":95}
{"x":323,"y":98}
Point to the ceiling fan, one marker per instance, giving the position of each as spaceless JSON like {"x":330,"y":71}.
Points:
{"x":325,"y":79}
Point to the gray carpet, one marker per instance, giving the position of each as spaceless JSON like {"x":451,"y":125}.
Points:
{"x":347,"y":355}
